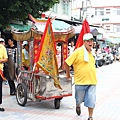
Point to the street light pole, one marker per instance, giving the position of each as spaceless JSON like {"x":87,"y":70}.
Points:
{"x":72,"y":17}
{"x":81,"y":10}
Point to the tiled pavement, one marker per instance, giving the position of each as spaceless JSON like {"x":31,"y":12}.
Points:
{"x":107,"y":106}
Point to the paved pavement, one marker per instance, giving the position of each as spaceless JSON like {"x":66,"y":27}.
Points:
{"x":107,"y":106}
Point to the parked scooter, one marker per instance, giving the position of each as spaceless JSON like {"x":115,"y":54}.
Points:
{"x":107,"y":58}
{"x":110,"y":58}
{"x":100,"y":59}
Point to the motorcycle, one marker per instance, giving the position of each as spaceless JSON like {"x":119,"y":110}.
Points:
{"x":105,"y":59}
{"x":100,"y":59}
{"x":108,"y":58}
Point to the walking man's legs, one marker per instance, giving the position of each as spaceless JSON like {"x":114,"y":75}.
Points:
{"x":90,"y":111}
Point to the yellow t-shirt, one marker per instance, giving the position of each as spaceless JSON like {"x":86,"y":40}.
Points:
{"x":84,"y":72}
{"x":27,"y":61}
{"x":3,"y":55}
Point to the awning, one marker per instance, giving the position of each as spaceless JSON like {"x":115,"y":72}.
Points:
{"x":94,"y":30}
{"x":18,"y":27}
{"x":62,"y":31}
{"x":117,"y":39}
{"x":111,"y":40}
{"x":59,"y":27}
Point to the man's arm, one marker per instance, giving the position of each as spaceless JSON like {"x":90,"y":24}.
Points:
{"x":67,"y":67}
{"x":4,"y":60}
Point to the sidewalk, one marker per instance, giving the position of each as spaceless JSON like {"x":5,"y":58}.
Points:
{"x":107,"y":106}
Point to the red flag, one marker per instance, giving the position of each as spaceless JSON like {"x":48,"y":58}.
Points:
{"x":47,"y":60}
{"x":85,"y":29}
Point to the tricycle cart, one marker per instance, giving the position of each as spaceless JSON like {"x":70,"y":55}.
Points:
{"x":38,"y":86}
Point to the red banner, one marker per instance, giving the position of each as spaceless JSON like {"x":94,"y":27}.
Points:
{"x":85,"y":29}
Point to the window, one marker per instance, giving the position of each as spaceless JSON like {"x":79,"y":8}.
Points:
{"x":55,"y":8}
{"x":116,"y":11}
{"x":99,"y":11}
{"x":65,"y":7}
{"x":107,"y":11}
{"x":108,"y":28}
{"x":116,"y":28}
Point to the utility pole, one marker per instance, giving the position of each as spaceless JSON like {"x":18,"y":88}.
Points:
{"x":84,"y":9}
{"x":81,"y":12}
{"x":72,"y":17}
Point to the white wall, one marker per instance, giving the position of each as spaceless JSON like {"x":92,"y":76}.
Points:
{"x":59,"y":13}
{"x":98,"y":3}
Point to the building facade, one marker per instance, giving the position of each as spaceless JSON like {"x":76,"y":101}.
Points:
{"x":107,"y":14}
{"x":76,"y":10}
{"x":62,"y":10}
{"x":70,"y":9}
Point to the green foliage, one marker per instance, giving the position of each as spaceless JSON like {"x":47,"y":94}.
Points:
{"x":19,"y":9}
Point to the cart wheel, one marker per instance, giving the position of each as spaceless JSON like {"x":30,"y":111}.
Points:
{"x":21,"y":94}
{"x":57,"y":103}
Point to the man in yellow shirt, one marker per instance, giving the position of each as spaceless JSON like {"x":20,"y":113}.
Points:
{"x":3,"y":59}
{"x":84,"y":74}
{"x":25,"y":55}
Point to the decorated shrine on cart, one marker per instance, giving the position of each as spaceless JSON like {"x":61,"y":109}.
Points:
{"x":42,"y":80}
{"x":62,"y":32}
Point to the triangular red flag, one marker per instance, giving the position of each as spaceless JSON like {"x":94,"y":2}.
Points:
{"x":85,"y":29}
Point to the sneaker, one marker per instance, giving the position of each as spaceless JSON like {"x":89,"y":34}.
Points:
{"x":12,"y":93}
{"x":2,"y":109}
{"x":78,"y":110}
{"x":90,"y":118}
{"x":6,"y":82}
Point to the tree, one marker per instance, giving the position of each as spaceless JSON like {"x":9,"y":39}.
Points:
{"x":19,"y":9}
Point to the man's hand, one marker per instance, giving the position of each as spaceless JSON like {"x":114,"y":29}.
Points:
{"x":68,"y":79}
{"x":0,"y":61}
{"x":3,"y":60}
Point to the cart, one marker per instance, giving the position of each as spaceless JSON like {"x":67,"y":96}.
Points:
{"x":38,"y":86}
